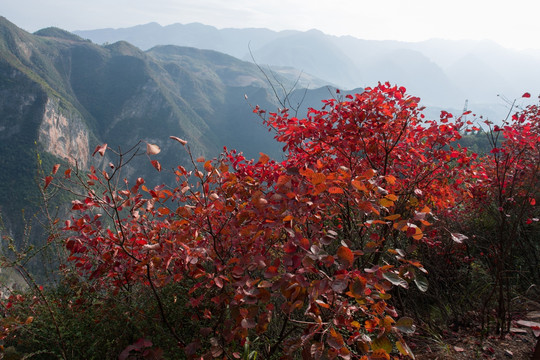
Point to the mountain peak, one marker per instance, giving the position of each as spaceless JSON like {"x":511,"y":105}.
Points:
{"x":58,"y":33}
{"x":124,"y":48}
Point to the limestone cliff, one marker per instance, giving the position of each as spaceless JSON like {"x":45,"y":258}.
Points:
{"x":64,"y":134}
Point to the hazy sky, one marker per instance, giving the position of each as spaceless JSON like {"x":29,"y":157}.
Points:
{"x":514,"y":24}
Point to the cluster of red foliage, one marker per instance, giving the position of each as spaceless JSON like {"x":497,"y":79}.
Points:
{"x":302,"y":253}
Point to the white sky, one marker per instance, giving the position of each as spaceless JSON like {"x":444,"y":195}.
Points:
{"x":511,"y":23}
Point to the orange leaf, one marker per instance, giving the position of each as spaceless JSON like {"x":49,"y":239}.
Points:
{"x":287,"y":218}
{"x":415,"y":232}
{"x":335,"y":190}
{"x":318,"y":179}
{"x":164,"y":210}
{"x":392,"y":217}
{"x":380,"y":354}
{"x":264,"y":158}
{"x":368,"y":174}
{"x":319,"y":188}
{"x":390,"y":179}
{"x":55,"y":168}
{"x":345,"y":255}
{"x":358,"y":185}
{"x":388,"y":322}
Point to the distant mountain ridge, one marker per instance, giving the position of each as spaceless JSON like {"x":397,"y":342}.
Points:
{"x":443,"y":73}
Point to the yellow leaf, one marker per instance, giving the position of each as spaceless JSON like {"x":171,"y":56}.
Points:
{"x":403,"y":348}
{"x":382,"y":343}
{"x":386,"y":203}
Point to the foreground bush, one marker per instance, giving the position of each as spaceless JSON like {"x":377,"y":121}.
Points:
{"x":242,"y":259}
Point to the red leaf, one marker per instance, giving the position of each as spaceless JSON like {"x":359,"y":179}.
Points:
{"x":48,"y":180}
{"x":270,"y":272}
{"x":55,"y":168}
{"x":526,"y":95}
{"x":100,"y":149}
{"x":156,"y":164}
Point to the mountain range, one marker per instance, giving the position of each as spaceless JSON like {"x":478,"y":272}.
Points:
{"x":443,"y":73}
{"x":62,"y":95}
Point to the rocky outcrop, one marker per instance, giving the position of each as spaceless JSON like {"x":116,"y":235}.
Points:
{"x":64,"y":134}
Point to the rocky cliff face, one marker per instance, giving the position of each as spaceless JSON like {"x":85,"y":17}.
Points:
{"x":64,"y":134}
